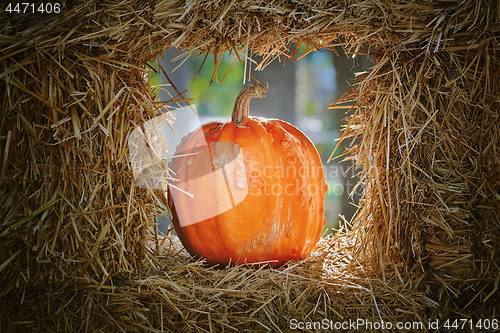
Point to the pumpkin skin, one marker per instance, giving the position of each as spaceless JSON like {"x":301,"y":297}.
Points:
{"x":258,"y":192}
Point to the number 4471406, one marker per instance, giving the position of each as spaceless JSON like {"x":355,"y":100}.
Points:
{"x":27,"y":7}
{"x":487,"y":324}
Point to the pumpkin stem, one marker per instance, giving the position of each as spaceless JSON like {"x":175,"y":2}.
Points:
{"x":242,"y":104}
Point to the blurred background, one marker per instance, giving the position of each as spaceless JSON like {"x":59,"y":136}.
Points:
{"x":299,"y":93}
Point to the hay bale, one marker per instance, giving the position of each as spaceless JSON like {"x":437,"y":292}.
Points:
{"x":427,"y":114}
{"x":76,"y":240}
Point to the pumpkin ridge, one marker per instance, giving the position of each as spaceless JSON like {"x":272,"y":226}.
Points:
{"x":301,"y":210}
{"x":226,"y":133}
{"x":314,"y":159}
{"x":221,"y":232}
{"x":282,"y":217}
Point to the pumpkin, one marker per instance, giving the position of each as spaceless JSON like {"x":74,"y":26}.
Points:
{"x":251,"y":190}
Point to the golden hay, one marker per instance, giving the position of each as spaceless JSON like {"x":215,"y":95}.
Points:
{"x":76,"y":242}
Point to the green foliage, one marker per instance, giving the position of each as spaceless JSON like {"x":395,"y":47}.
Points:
{"x":219,"y":99}
{"x":311,"y":109}
{"x":153,"y":76}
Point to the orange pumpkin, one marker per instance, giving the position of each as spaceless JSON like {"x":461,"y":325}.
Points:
{"x":247,"y":191}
